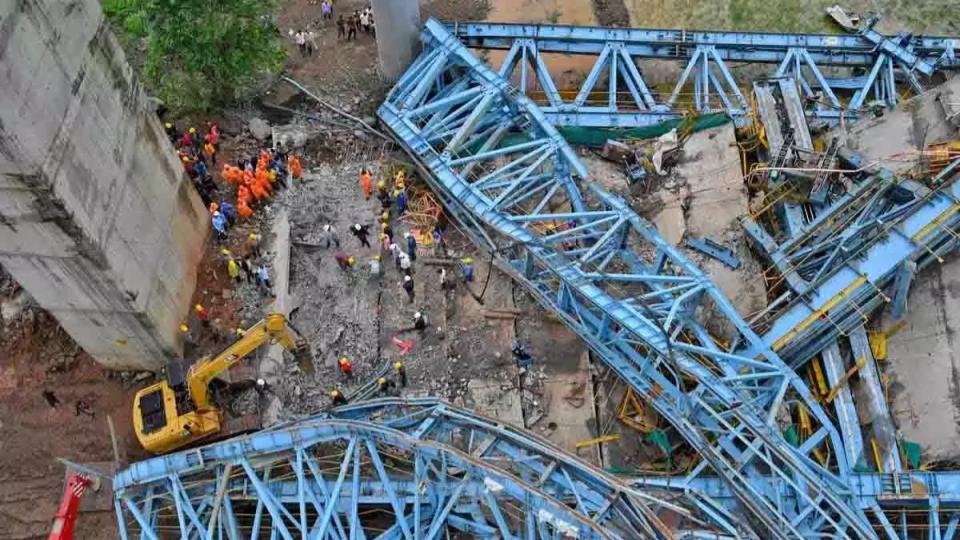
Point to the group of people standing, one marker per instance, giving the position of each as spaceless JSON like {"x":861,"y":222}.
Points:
{"x":306,"y":41}
{"x":195,"y":151}
{"x":360,"y":21}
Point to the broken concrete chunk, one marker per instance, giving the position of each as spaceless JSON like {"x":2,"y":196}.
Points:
{"x":259,"y":128}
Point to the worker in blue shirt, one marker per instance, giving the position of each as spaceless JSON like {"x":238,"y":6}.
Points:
{"x":220,"y":225}
{"x":411,"y":246}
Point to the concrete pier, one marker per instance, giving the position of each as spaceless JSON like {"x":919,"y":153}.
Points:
{"x":97,"y":219}
{"x":398,"y":32}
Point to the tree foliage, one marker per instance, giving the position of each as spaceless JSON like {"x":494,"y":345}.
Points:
{"x":202,"y":54}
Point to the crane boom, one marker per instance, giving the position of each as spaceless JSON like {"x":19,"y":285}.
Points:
{"x":66,"y":518}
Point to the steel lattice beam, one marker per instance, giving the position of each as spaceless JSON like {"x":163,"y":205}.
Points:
{"x":843,"y":264}
{"x":625,"y":99}
{"x":395,"y":469}
{"x":634,"y":299}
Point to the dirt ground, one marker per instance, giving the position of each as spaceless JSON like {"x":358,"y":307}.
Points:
{"x":38,"y":356}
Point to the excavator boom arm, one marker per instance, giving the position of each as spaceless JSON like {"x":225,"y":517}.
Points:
{"x":273,"y":326}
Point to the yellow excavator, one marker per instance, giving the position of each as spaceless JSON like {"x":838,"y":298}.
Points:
{"x":180,"y":410}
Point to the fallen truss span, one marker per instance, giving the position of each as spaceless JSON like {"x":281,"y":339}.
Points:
{"x":505,"y":172}
{"x":865,"y":68}
{"x":396,"y":469}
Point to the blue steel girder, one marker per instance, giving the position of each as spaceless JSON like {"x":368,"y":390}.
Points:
{"x":633,"y":298}
{"x":628,"y":102}
{"x":393,"y":469}
{"x":857,"y":247}
{"x":931,"y":500}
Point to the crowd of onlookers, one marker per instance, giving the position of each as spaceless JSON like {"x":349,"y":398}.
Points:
{"x":348,"y":27}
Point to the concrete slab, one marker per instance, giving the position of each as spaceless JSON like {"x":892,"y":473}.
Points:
{"x":924,"y":364}
{"x":482,"y":369}
{"x":892,"y":139}
{"x":670,"y":221}
{"x":560,"y":380}
{"x":568,"y":402}
{"x":924,"y":358}
{"x":712,"y":170}
{"x":270,"y":367}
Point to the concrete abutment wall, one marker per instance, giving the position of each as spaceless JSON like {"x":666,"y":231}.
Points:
{"x":97,"y":219}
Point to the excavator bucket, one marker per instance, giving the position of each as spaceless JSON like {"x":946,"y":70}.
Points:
{"x":303,"y":355}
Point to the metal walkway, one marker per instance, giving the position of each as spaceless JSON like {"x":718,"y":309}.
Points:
{"x":616,"y":94}
{"x":395,"y":469}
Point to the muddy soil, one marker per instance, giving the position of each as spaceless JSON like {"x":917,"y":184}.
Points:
{"x":39,"y":356}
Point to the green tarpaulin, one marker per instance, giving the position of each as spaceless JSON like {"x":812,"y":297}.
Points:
{"x":596,"y":137}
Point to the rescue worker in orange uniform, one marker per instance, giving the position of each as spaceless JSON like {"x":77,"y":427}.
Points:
{"x":366,"y":183}
{"x":295,"y":167}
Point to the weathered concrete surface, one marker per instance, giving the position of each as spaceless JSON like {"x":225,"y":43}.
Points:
{"x":398,"y":32}
{"x":924,"y":364}
{"x":892,"y":138}
{"x":711,"y":171}
{"x":97,"y":220}
{"x":485,"y":369}
{"x":270,"y":367}
{"x":924,"y":357}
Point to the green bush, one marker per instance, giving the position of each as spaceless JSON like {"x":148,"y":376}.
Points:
{"x":202,"y":54}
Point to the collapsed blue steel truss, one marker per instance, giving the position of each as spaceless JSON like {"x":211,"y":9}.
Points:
{"x":854,"y":253}
{"x":421,"y":469}
{"x":867,"y":67}
{"x":515,"y":184}
{"x":397,"y":469}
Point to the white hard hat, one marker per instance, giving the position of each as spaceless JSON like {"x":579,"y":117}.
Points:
{"x":406,"y":278}
{"x":357,"y":227}
{"x":261,"y":382}
{"x":417,"y":314}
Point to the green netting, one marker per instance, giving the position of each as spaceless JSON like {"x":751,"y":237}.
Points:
{"x":595,"y":137}
{"x":912,"y":451}
{"x":659,"y":438}
{"x":792,"y":436}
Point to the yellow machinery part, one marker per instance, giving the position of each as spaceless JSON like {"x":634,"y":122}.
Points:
{"x":598,"y":440}
{"x":635,"y":414}
{"x":818,"y":378}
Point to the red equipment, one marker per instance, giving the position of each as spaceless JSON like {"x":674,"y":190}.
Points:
{"x":66,"y":516}
{"x":404,"y":345}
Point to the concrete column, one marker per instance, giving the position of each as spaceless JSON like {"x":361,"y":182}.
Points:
{"x":97,"y":219}
{"x":398,"y":32}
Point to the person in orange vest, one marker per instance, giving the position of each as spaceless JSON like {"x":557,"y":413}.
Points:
{"x":346,"y":368}
{"x":366,"y":183}
{"x":243,"y":195}
{"x":243,"y":210}
{"x":259,"y":191}
{"x":295,"y":168}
